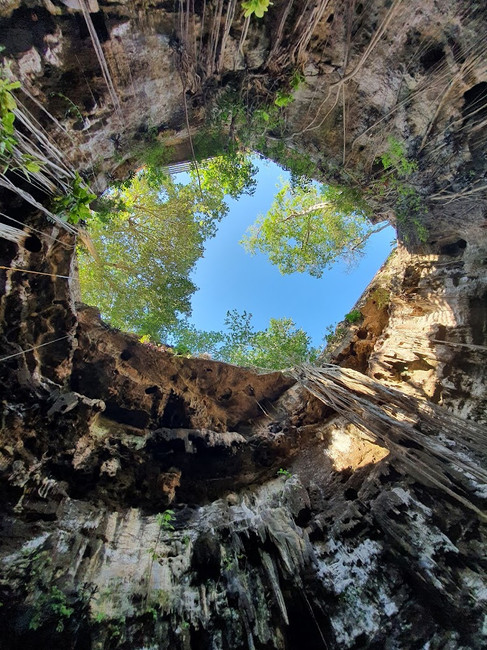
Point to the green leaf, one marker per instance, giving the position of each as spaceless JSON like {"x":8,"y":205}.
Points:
{"x":257,"y":7}
{"x":32,"y":166}
{"x":283,"y":99}
{"x":9,"y":103}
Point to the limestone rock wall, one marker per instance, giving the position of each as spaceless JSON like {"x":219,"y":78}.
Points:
{"x":150,"y":501}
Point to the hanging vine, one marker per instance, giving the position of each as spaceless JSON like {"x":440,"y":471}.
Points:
{"x":409,"y":427}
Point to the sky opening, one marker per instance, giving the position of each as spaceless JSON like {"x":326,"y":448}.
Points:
{"x":229,"y":278}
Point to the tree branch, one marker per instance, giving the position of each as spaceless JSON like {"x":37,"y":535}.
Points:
{"x":313,"y":208}
{"x":362,"y":241}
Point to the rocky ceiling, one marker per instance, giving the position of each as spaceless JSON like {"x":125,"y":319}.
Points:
{"x":287,"y":525}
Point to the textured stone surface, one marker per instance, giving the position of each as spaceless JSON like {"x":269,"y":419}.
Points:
{"x":287,"y":527}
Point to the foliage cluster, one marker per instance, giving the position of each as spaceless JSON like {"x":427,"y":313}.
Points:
{"x":285,"y":473}
{"x":334,"y":334}
{"x":52,"y":604}
{"x":256,"y":7}
{"x":353,"y":316}
{"x":283,"y":97}
{"x":395,"y":158}
{"x":153,"y":154}
{"x":72,"y":109}
{"x":308,"y":228}
{"x":381,"y":297}
{"x":241,"y":122}
{"x":75,"y":206}
{"x":280,"y":345}
{"x":165,"y":520}
{"x":10,"y":157}
{"x":409,"y":205}
{"x":144,"y":252}
{"x":7,"y":115}
{"x":409,"y":213}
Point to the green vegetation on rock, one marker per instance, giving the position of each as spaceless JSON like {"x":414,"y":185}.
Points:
{"x":256,"y":7}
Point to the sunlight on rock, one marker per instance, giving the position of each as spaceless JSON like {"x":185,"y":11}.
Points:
{"x":350,"y":449}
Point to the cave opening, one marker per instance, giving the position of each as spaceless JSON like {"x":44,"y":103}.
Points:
{"x":209,"y":296}
{"x":332,"y":80}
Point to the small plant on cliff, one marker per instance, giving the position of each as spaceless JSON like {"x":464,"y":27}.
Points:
{"x":10,"y":157}
{"x":54,"y":604}
{"x":283,"y":99}
{"x":395,"y":158}
{"x":284,"y":473}
{"x":334,"y":334}
{"x":74,"y":206}
{"x":100,"y":617}
{"x":354,"y":316}
{"x":394,"y":183}
{"x":256,"y":7}
{"x":7,"y":116}
{"x":381,"y":297}
{"x":72,"y":108}
{"x":165,"y":520}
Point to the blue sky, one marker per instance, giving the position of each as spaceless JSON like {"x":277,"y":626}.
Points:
{"x":229,"y":278}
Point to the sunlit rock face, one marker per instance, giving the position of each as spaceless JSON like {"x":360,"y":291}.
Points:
{"x":285,"y":526}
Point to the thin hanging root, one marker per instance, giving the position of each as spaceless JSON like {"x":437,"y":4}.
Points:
{"x":32,"y":349}
{"x":465,"y":69}
{"x":452,"y":196}
{"x":361,"y":62}
{"x":49,"y":168}
{"x":305,"y":37}
{"x":243,"y":36}
{"x":199,"y":49}
{"x":12,"y":234}
{"x":7,"y":184}
{"x":49,"y":148}
{"x":44,"y":110}
{"x":280,"y":31}
{"x":213,"y":42}
{"x":51,"y":275}
{"x":418,"y":340}
{"x":226,"y":31}
{"x":39,"y":232}
{"x":301,"y":34}
{"x":101,"y":57}
{"x":393,"y":418}
{"x":87,"y":242}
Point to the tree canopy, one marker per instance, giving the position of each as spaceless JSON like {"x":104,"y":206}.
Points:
{"x":280,"y":345}
{"x":309,"y":227}
{"x":138,"y":256}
